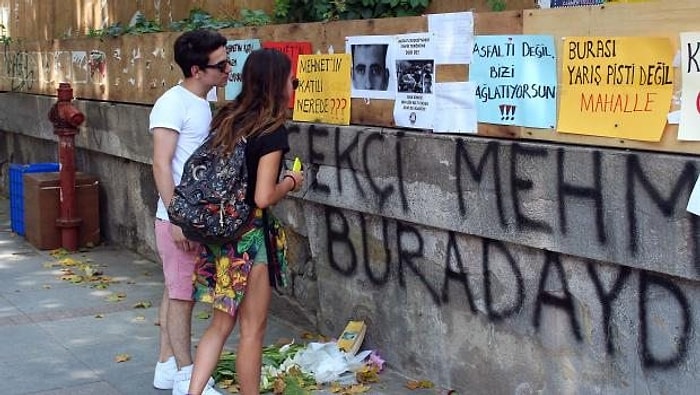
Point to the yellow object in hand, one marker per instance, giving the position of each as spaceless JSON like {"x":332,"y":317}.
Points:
{"x":297,"y":164}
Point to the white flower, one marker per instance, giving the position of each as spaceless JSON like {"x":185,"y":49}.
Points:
{"x":289,"y":364}
{"x":283,"y":349}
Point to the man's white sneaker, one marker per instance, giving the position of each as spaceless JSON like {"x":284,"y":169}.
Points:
{"x":164,"y":374}
{"x":181,"y":383}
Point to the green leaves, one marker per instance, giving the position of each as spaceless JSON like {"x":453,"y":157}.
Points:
{"x":4,"y":38}
{"x":496,"y":5}
{"x":142,"y":25}
{"x":288,"y":381}
{"x":200,"y":19}
{"x":254,"y":17}
{"x":297,"y":11}
{"x":285,"y":11}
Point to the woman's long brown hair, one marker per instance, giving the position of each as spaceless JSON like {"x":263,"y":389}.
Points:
{"x":261,"y":107}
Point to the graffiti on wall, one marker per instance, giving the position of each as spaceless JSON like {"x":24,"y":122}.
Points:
{"x":25,"y":71}
{"x":505,"y":172}
{"x":20,"y":68}
{"x":34,"y":71}
{"x":405,"y":259}
{"x":624,"y":200}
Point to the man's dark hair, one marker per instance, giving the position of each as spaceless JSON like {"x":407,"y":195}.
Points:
{"x":193,"y":48}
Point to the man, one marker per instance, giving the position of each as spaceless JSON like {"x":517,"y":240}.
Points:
{"x":179,"y":122}
{"x":369,"y":71}
{"x":428,"y":83}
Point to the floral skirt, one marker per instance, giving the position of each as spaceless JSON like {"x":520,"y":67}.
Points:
{"x":221,"y":270}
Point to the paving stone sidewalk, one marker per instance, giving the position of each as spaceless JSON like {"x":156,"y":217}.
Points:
{"x":60,"y":338}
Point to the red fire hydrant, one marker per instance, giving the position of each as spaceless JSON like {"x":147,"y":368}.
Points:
{"x":66,"y":119}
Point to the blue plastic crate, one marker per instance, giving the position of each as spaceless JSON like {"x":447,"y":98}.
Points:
{"x":17,"y":190}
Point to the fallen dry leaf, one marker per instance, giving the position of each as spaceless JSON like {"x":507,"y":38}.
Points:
{"x":116,"y":297}
{"x":203,"y":315}
{"x":357,"y":389}
{"x":368,"y":374}
{"x":228,"y":385}
{"x":89,"y":270}
{"x":419,"y":384}
{"x":122,"y":358}
{"x":68,"y":262}
{"x":59,"y":253}
{"x":278,"y":386}
{"x":350,"y":389}
{"x":102,"y":282}
{"x":143,"y":304}
{"x":315,"y":337}
{"x":72,"y":278}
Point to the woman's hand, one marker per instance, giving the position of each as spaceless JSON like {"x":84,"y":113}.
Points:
{"x":297,"y":176}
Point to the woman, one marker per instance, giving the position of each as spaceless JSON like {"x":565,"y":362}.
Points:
{"x":236,"y":276}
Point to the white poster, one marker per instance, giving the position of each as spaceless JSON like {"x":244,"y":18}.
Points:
{"x":455,"y":107}
{"x":454,"y":37}
{"x":689,"y":127}
{"x":415,"y":70}
{"x":373,"y":73}
{"x":694,"y":202}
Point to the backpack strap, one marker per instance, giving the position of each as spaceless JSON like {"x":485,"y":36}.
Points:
{"x":272,"y":264}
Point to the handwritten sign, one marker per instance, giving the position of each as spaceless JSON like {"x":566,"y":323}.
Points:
{"x":414,"y":106}
{"x":516,"y":80}
{"x":237,"y":51}
{"x":323,"y":94}
{"x":616,"y":87}
{"x":689,"y":128}
{"x":292,"y":49}
{"x":448,"y":26}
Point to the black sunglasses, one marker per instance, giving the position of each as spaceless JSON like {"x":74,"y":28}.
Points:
{"x":221,"y":65}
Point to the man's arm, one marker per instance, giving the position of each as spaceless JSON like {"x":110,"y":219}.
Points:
{"x":164,"y":145}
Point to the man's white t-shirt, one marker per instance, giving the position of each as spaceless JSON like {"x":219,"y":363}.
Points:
{"x":190,"y":116}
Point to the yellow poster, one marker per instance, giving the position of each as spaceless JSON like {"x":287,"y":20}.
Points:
{"x":616,"y":86}
{"x":323,"y":94}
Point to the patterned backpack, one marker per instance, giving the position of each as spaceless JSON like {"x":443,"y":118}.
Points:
{"x":210,"y":204}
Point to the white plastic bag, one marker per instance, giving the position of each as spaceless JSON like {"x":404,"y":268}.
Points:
{"x":327,"y":363}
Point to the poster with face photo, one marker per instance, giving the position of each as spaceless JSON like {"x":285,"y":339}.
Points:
{"x":414,"y":106}
{"x":372,"y":74}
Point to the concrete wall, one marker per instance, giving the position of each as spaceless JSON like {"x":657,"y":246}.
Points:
{"x":488,"y":266}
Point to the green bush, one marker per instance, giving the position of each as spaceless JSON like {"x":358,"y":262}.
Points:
{"x":289,"y":11}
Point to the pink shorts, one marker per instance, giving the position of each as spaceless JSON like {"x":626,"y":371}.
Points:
{"x":178,"y":265}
